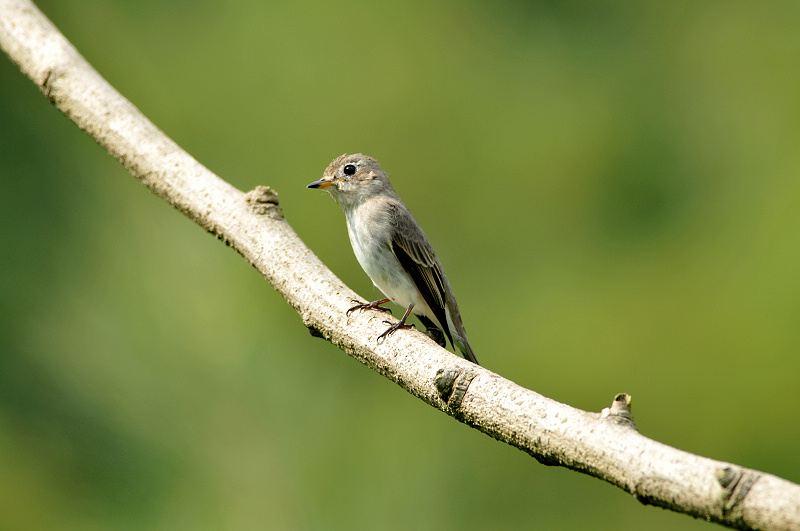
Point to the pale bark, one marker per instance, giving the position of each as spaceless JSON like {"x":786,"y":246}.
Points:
{"x":605,"y":445}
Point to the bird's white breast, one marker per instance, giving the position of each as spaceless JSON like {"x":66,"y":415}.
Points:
{"x":370,"y":236}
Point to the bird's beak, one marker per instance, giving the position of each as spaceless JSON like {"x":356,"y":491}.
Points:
{"x":322,"y":183}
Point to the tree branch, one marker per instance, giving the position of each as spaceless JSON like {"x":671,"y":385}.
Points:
{"x":604,"y":445}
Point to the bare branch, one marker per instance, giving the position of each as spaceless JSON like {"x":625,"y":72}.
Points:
{"x":605,"y":445}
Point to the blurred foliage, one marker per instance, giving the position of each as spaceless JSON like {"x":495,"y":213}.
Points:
{"x":612,"y":187}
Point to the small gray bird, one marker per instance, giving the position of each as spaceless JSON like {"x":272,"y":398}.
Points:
{"x":393,"y":250}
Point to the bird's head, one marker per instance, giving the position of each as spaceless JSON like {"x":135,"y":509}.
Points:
{"x":352,"y":178}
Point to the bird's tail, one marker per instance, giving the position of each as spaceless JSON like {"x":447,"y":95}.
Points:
{"x":463,"y":345}
{"x":458,"y":334}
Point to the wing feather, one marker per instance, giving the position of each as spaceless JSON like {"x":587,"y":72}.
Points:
{"x":418,"y":259}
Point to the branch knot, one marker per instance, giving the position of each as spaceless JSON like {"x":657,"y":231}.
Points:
{"x":452,"y":386}
{"x":736,"y":483}
{"x":620,"y":411}
{"x":263,"y":200}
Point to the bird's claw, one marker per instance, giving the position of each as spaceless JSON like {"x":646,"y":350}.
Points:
{"x":392,"y":329}
{"x":375,"y":305}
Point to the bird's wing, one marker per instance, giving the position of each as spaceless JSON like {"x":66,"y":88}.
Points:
{"x":417,"y":257}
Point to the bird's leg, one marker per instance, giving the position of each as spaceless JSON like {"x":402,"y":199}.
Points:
{"x":374,"y":305}
{"x":397,"y":326}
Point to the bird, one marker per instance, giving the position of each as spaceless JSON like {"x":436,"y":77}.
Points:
{"x":393,"y":250}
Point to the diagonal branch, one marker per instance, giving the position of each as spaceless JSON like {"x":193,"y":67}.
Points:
{"x":605,"y":445}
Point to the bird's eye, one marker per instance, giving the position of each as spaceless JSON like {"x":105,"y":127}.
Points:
{"x":349,"y":169}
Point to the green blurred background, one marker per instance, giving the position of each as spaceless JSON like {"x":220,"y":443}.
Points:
{"x":613,"y":187}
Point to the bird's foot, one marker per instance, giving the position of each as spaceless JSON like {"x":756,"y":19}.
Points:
{"x":401,"y":325}
{"x":374,"y":305}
